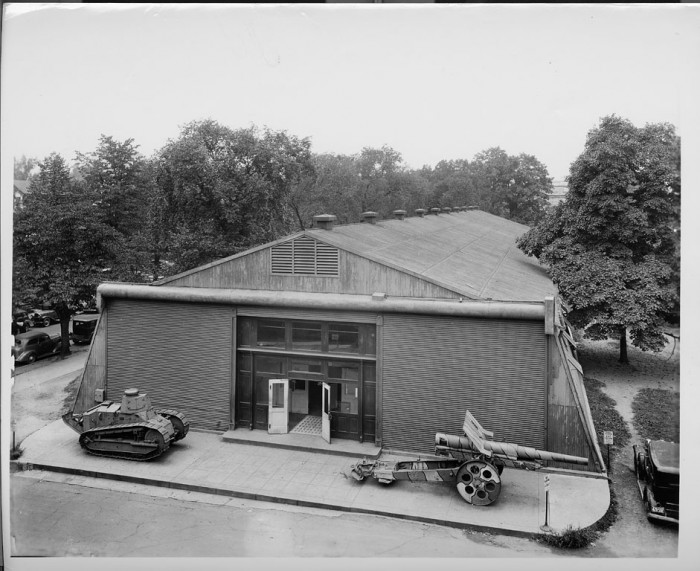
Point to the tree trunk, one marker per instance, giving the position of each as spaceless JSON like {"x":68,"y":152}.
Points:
{"x":65,"y":336}
{"x":623,"y":346}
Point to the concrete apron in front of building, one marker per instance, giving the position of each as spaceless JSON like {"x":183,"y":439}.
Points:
{"x":205,"y":462}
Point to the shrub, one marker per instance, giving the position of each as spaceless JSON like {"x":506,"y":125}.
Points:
{"x":570,"y":538}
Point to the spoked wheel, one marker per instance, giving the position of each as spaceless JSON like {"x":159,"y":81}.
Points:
{"x":478,"y":483}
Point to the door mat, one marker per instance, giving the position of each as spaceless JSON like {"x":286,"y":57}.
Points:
{"x":309,"y":425}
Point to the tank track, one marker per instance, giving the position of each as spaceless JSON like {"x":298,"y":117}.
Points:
{"x":126,"y":434}
{"x":168,"y":414}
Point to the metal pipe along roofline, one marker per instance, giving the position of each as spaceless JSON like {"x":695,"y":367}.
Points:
{"x":533,"y":311}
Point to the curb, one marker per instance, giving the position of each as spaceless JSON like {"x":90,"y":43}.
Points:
{"x":17,"y":466}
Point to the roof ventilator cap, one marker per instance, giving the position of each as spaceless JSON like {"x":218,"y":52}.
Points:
{"x":435,"y":211}
{"x":447,"y":210}
{"x":324,"y":221}
{"x":399,"y":214}
{"x":369,"y":217}
{"x":421,"y":212}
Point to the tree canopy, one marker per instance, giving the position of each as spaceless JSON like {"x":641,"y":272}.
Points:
{"x":63,"y":247}
{"x":611,"y":246}
{"x":224,"y":190}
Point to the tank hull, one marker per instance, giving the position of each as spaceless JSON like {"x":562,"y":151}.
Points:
{"x":130,"y":430}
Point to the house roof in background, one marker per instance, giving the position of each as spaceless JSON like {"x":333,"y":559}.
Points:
{"x":22,"y":186}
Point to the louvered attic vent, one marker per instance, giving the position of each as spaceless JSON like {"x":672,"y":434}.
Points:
{"x":305,"y":257}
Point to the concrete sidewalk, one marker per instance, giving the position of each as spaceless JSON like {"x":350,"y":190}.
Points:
{"x":206,"y":462}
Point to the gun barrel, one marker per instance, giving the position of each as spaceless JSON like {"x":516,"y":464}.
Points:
{"x":508,"y":450}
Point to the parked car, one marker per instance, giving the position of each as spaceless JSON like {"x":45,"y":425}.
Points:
{"x":19,"y":321}
{"x":43,"y":317}
{"x":32,"y":345}
{"x":84,"y":327}
{"x":657,"y":467}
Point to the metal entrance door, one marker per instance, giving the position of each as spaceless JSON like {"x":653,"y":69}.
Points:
{"x":326,"y":413}
{"x":278,"y":407}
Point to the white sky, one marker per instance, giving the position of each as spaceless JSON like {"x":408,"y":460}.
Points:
{"x":432,"y":81}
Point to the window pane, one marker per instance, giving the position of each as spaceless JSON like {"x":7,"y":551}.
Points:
{"x":348,"y":398}
{"x":271,"y":333}
{"x":245,"y":332}
{"x":344,"y":338}
{"x":370,"y":373}
{"x":306,"y":366}
{"x":306,"y":336}
{"x":278,"y":395}
{"x":370,"y":347}
{"x":345,"y":371}
{"x":267,"y":364}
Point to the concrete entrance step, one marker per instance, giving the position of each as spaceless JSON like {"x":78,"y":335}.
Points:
{"x":303,"y":442}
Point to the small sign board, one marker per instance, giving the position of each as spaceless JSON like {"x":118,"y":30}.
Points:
{"x":607,"y":437}
{"x":546,"y":482}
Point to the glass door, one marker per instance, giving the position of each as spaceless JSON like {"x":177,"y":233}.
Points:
{"x":278,"y":403}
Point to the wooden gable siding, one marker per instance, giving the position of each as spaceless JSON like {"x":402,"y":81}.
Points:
{"x":566,"y":432}
{"x":358,"y":275}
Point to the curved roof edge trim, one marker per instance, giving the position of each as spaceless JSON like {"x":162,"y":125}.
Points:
{"x":533,"y":311}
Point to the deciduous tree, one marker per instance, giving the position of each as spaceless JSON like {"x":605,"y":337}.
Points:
{"x":63,"y":247}
{"x":610,"y":246}
{"x":225,"y":190}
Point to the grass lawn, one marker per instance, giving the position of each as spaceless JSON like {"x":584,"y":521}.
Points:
{"x":656,"y":414}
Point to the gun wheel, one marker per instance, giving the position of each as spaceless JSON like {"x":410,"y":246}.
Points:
{"x":478,"y":483}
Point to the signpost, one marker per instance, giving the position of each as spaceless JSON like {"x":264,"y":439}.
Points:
{"x":546,"y":527}
{"x":608,"y":440}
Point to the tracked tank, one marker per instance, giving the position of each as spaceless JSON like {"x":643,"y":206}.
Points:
{"x":131,"y":429}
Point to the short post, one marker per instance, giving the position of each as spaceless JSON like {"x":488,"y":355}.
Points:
{"x":546,"y":527}
{"x":608,"y":440}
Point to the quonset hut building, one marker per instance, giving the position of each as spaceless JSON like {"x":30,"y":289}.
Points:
{"x":394,"y":327}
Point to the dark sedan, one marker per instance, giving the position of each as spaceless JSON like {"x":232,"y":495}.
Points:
{"x":33,"y":345}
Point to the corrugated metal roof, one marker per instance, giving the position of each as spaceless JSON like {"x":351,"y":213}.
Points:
{"x":471,"y":252}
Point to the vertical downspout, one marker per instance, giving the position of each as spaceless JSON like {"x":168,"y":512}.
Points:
{"x":234,"y":356}
{"x":379,"y":397}
{"x":549,"y":330}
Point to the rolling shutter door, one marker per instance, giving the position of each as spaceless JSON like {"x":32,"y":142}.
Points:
{"x":436,"y":368}
{"x":179,"y":353}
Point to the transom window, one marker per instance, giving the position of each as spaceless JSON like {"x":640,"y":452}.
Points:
{"x":307,"y":336}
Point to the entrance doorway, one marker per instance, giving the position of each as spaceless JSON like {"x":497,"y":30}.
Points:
{"x":315,"y":398}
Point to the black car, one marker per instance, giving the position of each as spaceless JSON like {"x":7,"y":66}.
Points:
{"x":42,"y":317}
{"x":657,"y":467}
{"x":20,"y":320}
{"x":84,"y":327}
{"x":33,"y":345}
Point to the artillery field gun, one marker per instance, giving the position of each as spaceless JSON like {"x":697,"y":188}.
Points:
{"x":131,"y":430}
{"x":474,"y":463}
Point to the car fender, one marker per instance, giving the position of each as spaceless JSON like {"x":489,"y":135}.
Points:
{"x":23,"y":356}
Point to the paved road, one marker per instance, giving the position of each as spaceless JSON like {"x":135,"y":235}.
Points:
{"x":39,"y":391}
{"x":52,"y":518}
